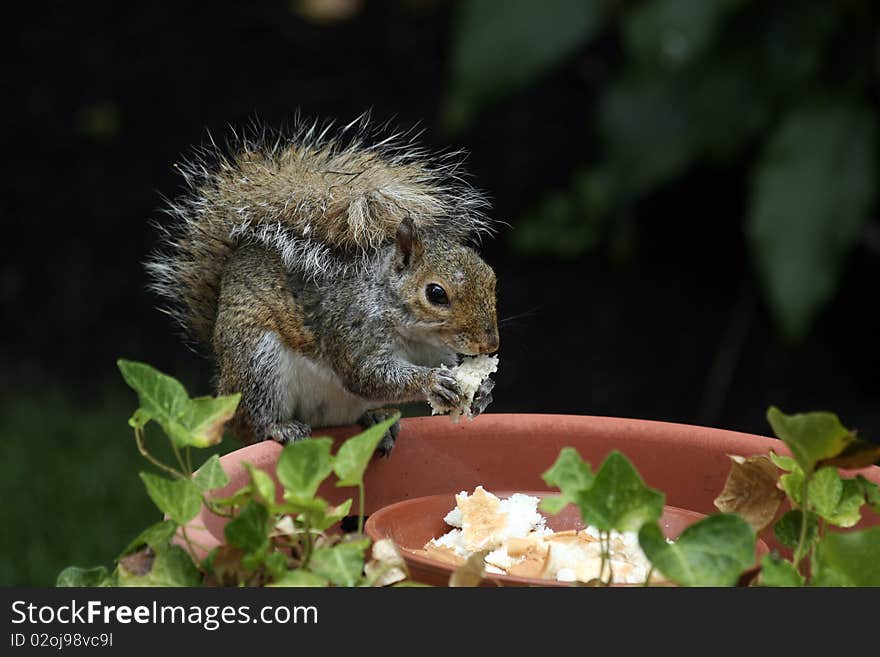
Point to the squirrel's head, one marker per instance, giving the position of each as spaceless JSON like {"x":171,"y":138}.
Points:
{"x":448,"y":292}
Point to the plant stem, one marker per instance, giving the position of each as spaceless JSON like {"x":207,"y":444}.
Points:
{"x":142,"y":448}
{"x":216,"y":509}
{"x":805,"y":510}
{"x":189,"y":544}
{"x":179,"y":459}
{"x":604,"y":553}
{"x":361,"y":509}
{"x":308,"y":554}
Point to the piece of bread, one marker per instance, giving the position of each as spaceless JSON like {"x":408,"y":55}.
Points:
{"x":469,"y":374}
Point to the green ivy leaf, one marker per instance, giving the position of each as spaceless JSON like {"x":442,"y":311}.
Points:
{"x":139,"y":419}
{"x":250,"y":562}
{"x":211,"y":475}
{"x":793,"y":485}
{"x":303,"y":505}
{"x":496,"y":52}
{"x":170,"y":567}
{"x":155,"y":536}
{"x":811,"y":194}
{"x":570,"y":474}
{"x":353,"y":457}
{"x":847,"y":513}
{"x":811,"y":437}
{"x":249,"y":530}
{"x":776,"y":571}
{"x":848,"y":559}
{"x":327,"y":517}
{"x":553,"y":504}
{"x":81,"y":577}
{"x":871,"y":492}
{"x":342,"y":564}
{"x":784,"y":462}
{"x":712,"y":552}
{"x":304,"y":464}
{"x":187,"y":422}
{"x":276,"y":564}
{"x":180,"y":499}
{"x":788,"y":528}
{"x":238,"y":498}
{"x":315,"y":512}
{"x":825,"y":490}
{"x":262,"y":485}
{"x":618,"y":498}
{"x":203,"y":418}
{"x":162,"y":397}
{"x":299,"y":578}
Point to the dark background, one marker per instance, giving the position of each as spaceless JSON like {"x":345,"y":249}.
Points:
{"x":100,"y":99}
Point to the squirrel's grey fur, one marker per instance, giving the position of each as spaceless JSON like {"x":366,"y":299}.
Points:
{"x":305,"y":263}
{"x":325,"y":201}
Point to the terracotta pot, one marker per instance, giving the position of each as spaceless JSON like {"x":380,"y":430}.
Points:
{"x":505,"y":452}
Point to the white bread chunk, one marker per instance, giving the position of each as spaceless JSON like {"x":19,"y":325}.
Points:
{"x":482,"y":521}
{"x":469,"y":374}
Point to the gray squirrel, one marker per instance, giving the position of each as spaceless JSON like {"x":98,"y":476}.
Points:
{"x":332,"y":274}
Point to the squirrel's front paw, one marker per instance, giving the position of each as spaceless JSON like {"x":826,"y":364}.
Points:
{"x":482,"y":397}
{"x":286,"y":432}
{"x":375,"y":416}
{"x":443,"y":391}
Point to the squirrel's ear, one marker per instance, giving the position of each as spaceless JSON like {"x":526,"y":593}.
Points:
{"x":409,"y":246}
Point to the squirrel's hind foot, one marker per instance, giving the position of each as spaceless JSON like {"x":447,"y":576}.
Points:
{"x":375,"y":416}
{"x":287,"y":432}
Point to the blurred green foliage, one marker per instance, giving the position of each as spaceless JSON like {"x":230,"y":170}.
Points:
{"x":785,"y":86}
{"x":68,"y":490}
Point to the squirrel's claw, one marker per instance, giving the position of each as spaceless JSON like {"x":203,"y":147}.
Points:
{"x":287,"y":432}
{"x":482,"y":397}
{"x":443,"y":390}
{"x":375,"y":416}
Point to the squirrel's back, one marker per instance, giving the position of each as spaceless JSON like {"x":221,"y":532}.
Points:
{"x":325,"y":201}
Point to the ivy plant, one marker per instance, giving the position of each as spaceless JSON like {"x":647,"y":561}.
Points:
{"x":270,"y":540}
{"x":719,"y":550}
{"x":711,"y":552}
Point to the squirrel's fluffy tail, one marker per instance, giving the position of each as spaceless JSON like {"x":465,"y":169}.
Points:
{"x":325,"y":201}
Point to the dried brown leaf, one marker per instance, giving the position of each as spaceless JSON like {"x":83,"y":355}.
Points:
{"x":139,"y":563}
{"x":858,"y":454}
{"x":228,"y":568}
{"x":751,"y":491}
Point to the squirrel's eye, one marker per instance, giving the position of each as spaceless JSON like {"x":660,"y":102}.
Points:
{"x":436,"y":295}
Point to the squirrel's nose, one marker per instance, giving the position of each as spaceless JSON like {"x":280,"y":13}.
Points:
{"x":491,"y":343}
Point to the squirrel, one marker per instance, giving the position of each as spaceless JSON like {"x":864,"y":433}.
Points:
{"x":332,"y":275}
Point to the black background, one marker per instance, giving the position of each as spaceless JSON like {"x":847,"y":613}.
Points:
{"x":679,"y":332}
